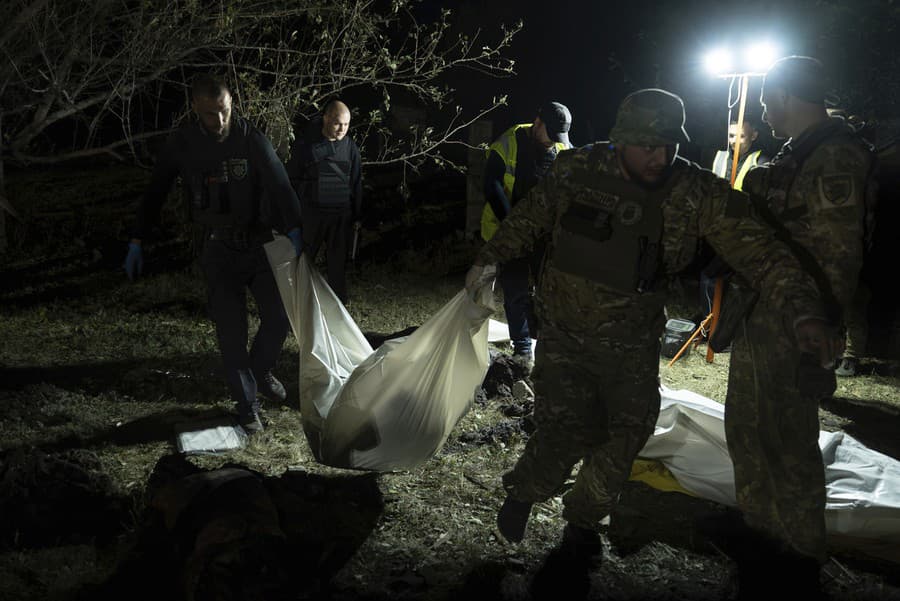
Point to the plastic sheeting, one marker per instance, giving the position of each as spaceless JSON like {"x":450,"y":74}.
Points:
{"x":862,"y":485}
{"x":392,"y":408}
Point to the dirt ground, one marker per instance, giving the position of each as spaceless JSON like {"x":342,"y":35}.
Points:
{"x":96,"y":503}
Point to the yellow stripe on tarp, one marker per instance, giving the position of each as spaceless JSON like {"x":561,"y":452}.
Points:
{"x":653,"y":473}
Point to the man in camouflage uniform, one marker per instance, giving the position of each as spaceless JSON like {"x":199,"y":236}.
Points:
{"x":816,"y":187}
{"x":624,"y":217}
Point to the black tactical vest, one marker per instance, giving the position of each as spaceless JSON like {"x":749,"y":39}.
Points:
{"x":220,"y":184}
{"x":611,"y":234}
{"x":334,"y":183}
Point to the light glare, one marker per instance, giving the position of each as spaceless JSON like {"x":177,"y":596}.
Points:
{"x":718,"y":62}
{"x":760,"y":56}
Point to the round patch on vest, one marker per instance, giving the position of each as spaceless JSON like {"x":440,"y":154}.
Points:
{"x":630,"y":212}
{"x":238,"y":168}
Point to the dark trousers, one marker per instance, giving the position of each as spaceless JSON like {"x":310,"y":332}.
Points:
{"x":231,"y":269}
{"x":334,"y":231}
{"x":516,"y":284}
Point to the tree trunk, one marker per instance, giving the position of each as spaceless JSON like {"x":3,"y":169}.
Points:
{"x":4,"y":243}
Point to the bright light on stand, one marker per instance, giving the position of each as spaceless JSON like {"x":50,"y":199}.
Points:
{"x":760,"y":56}
{"x":753,"y":59}
{"x":718,"y":62}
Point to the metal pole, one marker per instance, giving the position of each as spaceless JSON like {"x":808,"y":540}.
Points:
{"x":720,"y":284}
{"x":742,"y":103}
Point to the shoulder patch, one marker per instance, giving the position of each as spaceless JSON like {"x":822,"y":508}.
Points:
{"x":835,"y":189}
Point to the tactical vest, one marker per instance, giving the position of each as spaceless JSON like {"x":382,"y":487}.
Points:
{"x":612,"y":233}
{"x":720,"y":166}
{"x":507,"y":147}
{"x":333,"y":183}
{"x":219,"y":185}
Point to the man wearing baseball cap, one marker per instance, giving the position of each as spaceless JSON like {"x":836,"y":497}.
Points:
{"x":516,"y":161}
{"x":624,"y":217}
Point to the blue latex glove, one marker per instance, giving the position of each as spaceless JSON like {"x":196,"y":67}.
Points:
{"x":134,"y":260}
{"x":296,"y":240}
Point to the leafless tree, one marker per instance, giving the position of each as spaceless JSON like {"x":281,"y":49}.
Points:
{"x":83,"y":78}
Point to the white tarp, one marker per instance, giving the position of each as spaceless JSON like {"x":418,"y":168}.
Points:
{"x":389,"y":409}
{"x":394,"y":408}
{"x":862,"y":485}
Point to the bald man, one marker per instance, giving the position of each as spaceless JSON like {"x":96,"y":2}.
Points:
{"x":325,"y":170}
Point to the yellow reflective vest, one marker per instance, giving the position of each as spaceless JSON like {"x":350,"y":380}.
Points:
{"x":720,"y":166}
{"x":507,"y":148}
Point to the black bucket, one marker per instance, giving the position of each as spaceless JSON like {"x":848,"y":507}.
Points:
{"x":678,"y":331}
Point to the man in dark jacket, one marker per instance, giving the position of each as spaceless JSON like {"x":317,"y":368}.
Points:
{"x":229,"y":170}
{"x":326,"y":171}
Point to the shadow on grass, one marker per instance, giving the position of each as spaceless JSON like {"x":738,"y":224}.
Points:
{"x":137,"y":377}
{"x":232,"y":533}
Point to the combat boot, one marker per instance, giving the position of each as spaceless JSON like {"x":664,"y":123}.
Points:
{"x":512,"y":519}
{"x":269,"y":387}
{"x":569,"y":566}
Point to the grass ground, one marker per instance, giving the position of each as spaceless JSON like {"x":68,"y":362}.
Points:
{"x":98,"y":371}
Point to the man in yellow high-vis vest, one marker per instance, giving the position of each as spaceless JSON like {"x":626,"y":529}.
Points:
{"x":749,"y":157}
{"x":516,"y":161}
{"x":723,"y":163}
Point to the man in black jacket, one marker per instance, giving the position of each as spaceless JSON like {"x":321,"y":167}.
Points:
{"x":230,"y":171}
{"x":325,"y":170}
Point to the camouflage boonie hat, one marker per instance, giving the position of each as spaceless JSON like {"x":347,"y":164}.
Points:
{"x":650,"y":117}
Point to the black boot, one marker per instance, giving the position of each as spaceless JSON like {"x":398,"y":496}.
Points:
{"x":801,"y":575}
{"x":512,"y":519}
{"x":566,"y":572}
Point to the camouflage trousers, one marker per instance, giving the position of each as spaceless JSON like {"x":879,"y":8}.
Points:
{"x":594,"y":406}
{"x":773,"y":437}
{"x":857,"y":324}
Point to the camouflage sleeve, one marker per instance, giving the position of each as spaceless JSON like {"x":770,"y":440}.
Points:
{"x":751,"y":249}
{"x":531,"y":218}
{"x":833,"y":186}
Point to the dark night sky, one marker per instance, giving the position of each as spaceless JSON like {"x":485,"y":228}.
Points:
{"x":563,"y":54}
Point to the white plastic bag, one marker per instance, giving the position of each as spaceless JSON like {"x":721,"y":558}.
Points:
{"x":391,"y":409}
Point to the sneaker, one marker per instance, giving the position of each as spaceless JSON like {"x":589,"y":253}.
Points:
{"x":512,"y":519}
{"x":847,"y":367}
{"x":252,"y":423}
{"x":525,"y":361}
{"x":269,"y":386}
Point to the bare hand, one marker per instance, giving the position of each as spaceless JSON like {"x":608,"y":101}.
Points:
{"x":818,"y":338}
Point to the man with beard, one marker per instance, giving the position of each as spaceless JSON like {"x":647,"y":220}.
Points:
{"x":624,"y":216}
{"x":818,"y":193}
{"x":229,"y":169}
{"x":516,"y":161}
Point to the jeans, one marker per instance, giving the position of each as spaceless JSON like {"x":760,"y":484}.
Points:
{"x":514,"y":280}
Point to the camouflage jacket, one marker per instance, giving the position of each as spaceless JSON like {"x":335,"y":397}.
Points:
{"x":821,"y":188}
{"x":695,"y":205}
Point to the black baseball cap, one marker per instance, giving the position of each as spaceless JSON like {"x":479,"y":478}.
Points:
{"x":557,"y":119}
